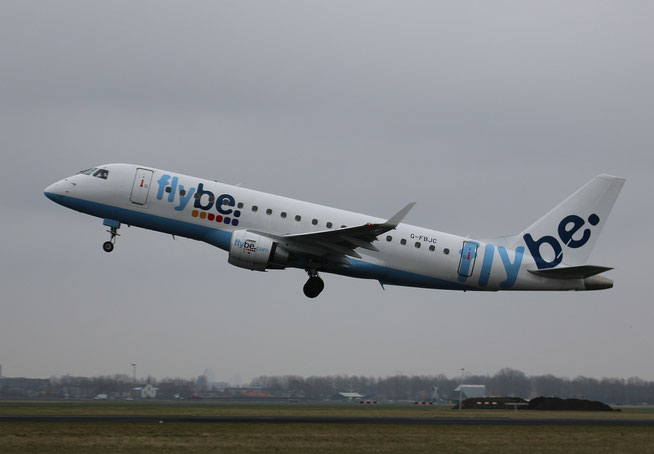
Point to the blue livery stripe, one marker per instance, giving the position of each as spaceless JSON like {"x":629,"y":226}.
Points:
{"x":215,"y":237}
{"x":222,"y":240}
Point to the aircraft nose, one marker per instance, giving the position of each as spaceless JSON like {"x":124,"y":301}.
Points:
{"x":56,"y":191}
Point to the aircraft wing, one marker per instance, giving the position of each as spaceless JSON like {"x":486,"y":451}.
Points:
{"x":335,"y":245}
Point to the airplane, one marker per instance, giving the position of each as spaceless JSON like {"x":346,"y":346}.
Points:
{"x":262,"y":231}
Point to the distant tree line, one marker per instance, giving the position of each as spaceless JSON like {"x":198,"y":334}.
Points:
{"x":116,"y":386}
{"x":506,"y":382}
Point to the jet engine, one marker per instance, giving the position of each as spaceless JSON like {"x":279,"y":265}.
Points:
{"x":255,"y":252}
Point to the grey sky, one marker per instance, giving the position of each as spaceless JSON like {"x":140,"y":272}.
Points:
{"x":487,"y":114}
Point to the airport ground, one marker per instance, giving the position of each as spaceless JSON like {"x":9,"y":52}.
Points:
{"x":143,"y":427}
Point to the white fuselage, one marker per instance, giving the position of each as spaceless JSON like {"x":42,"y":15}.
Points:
{"x":408,"y":255}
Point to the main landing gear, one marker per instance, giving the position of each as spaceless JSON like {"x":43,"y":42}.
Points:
{"x":314,"y":285}
{"x":108,"y":246}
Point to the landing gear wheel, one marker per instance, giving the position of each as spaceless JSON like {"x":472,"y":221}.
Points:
{"x":313,"y":287}
{"x":108,"y":246}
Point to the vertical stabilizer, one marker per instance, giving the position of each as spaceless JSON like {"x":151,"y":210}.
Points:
{"x":566,"y":235}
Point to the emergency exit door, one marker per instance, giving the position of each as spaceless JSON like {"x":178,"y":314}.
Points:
{"x":468,"y":256}
{"x":141,"y":186}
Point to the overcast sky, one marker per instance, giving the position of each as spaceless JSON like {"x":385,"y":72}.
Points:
{"x":487,"y":114}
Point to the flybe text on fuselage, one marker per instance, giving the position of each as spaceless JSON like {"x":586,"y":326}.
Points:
{"x":512,"y":268}
{"x":204,"y":200}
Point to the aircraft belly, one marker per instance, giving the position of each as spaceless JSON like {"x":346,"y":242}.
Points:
{"x":389,"y":272}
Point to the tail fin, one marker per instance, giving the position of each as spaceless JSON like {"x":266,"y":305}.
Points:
{"x":566,"y":235}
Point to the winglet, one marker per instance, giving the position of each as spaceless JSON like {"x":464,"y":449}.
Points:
{"x":397,"y":218}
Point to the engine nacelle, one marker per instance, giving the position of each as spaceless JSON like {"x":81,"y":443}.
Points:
{"x":255,"y":252}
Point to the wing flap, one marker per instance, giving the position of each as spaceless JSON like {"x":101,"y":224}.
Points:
{"x":356,"y":242}
{"x":339,"y":248}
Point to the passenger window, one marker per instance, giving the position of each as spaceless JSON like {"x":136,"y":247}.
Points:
{"x":168,"y":189}
{"x":239,"y":205}
{"x":182,"y":192}
{"x":298,"y":217}
{"x":389,"y":238}
{"x":268,"y":211}
{"x":432,"y":248}
{"x":402,"y":241}
{"x":329,"y":225}
{"x":417,"y":244}
{"x":283,"y":214}
{"x":446,"y":251}
{"x":255,"y":208}
{"x":314,"y":221}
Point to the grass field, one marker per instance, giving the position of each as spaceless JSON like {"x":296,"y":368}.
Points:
{"x":213,"y":408}
{"x":93,"y":437}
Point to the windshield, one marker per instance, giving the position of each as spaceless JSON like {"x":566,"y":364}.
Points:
{"x":101,"y":173}
{"x":96,"y":172}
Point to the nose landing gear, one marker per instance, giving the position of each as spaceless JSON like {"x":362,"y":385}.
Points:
{"x":108,"y":246}
{"x":314,"y":285}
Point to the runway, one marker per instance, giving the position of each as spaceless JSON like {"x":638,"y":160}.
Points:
{"x":332,"y":420}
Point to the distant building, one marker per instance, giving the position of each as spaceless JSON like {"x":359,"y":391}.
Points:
{"x":24,"y":387}
{"x":144,"y":392}
{"x":347,"y":396}
{"x":466,"y":391}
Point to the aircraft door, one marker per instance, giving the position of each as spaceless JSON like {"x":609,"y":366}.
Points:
{"x":141,"y":186}
{"x":468,"y":256}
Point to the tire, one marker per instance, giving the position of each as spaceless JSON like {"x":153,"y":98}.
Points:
{"x":108,"y":246}
{"x":313,"y":287}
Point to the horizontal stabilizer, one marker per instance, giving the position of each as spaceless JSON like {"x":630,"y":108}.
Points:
{"x":571,"y":272}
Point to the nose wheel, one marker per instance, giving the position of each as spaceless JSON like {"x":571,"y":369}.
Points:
{"x":108,"y":246}
{"x":314,"y":285}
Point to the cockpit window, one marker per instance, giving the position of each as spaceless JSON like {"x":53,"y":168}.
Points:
{"x":88,"y":171}
{"x":101,"y":173}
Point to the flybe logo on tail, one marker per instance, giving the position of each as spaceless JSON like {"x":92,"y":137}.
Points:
{"x":568,"y":227}
{"x":204,"y":201}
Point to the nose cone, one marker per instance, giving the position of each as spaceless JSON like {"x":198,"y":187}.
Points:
{"x":57,"y":191}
